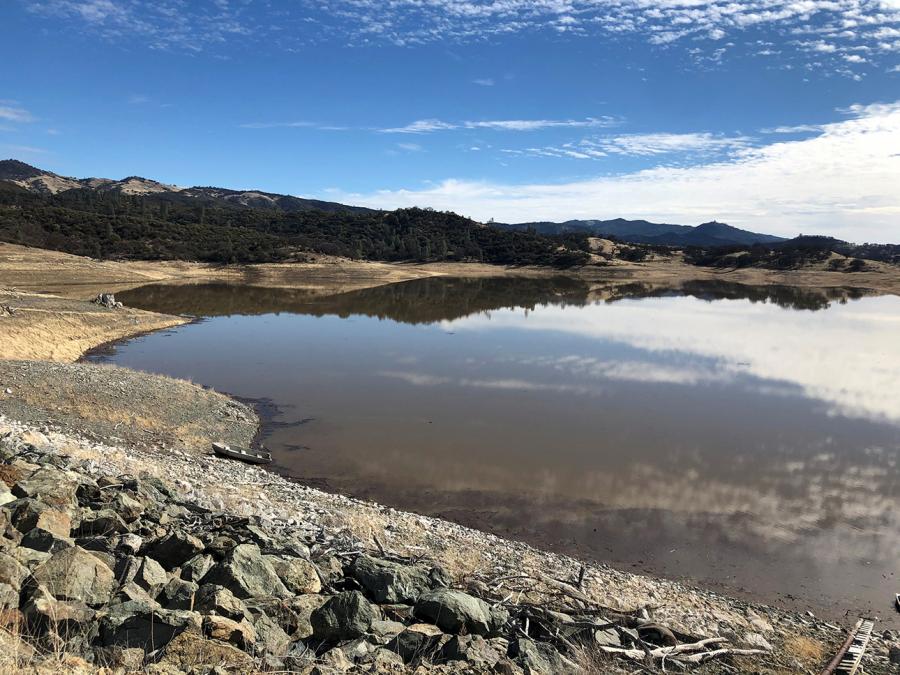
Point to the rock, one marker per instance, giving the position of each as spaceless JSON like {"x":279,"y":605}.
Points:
{"x":189,"y":651}
{"x":277,"y":609}
{"x":506,"y":667}
{"x":178,"y":594}
{"x":218,"y":599}
{"x":758,"y":641}
{"x":472,"y":649}
{"x":336,"y":659}
{"x":608,"y":637}
{"x":103,"y":522}
{"x":176,"y":549}
{"x":298,"y":575}
{"x":535,"y":657}
{"x":240,"y":634}
{"x":457,"y":612}
{"x":129,"y":544}
{"x":128,"y":508}
{"x":43,"y":609}
{"x":28,"y":514}
{"x":75,"y":574}
{"x":388,"y":581}
{"x":42,"y":540}
{"x":269,"y":635}
{"x":246,"y":573}
{"x":9,"y":597}
{"x":151,"y":576}
{"x":894,"y":654}
{"x":197,"y":567}
{"x":385,"y":661}
{"x":12,"y":572}
{"x":418,"y":642}
{"x":345,"y":616}
{"x":303,"y":606}
{"x":387,"y":629}
{"x":53,"y":487}
{"x":132,"y":592}
{"x":138,"y":624}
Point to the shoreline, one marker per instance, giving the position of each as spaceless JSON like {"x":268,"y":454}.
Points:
{"x":363,"y":513}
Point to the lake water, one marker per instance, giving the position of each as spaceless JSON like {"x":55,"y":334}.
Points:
{"x":742,"y":437}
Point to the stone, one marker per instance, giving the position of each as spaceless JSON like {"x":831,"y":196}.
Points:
{"x":175,"y":549}
{"x":385,"y":661}
{"x":190,"y":652}
{"x":240,"y":634}
{"x":344,"y":616}
{"x":472,"y":649}
{"x":894,"y":654}
{"x":218,"y":599}
{"x":28,"y":514}
{"x":303,"y":606}
{"x":53,"y":487}
{"x":178,"y":594}
{"x":246,"y":573}
{"x":658,"y":635}
{"x":387,"y":581}
{"x":75,"y":574}
{"x":128,"y":508}
{"x":12,"y":572}
{"x":418,"y":642}
{"x":130,"y":591}
{"x":42,"y":540}
{"x":277,"y":609}
{"x":269,"y":635}
{"x":197,"y":567}
{"x":758,"y":641}
{"x":534,"y":657}
{"x":9,"y":597}
{"x":387,"y":629}
{"x":457,"y":612}
{"x":151,"y":576}
{"x":42,"y":609}
{"x":608,"y":637}
{"x":103,"y":523}
{"x":336,"y":659}
{"x":138,"y":624}
{"x":128,"y":543}
{"x":298,"y":575}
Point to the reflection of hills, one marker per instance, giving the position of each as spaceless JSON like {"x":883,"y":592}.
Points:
{"x":444,"y":298}
{"x":790,"y":297}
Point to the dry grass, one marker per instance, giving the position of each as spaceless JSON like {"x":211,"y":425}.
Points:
{"x":809,"y":652}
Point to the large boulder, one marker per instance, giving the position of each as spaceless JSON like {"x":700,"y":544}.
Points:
{"x":100,"y":523}
{"x":345,"y":616}
{"x":458,"y":612}
{"x":27,"y":514}
{"x":473,"y":649}
{"x":239,"y":633}
{"x":303,"y":606}
{"x":214,"y":599}
{"x":75,"y":574}
{"x":247,"y":573}
{"x":145,"y":625}
{"x":418,"y":642}
{"x":52,"y":486}
{"x":391,"y":582}
{"x":12,"y":572}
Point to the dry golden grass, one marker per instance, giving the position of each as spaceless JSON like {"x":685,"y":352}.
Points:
{"x":809,"y":652}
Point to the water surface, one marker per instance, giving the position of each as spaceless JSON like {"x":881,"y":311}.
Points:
{"x":741,"y":437}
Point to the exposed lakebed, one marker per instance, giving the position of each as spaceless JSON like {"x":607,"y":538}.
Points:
{"x":743,"y":437}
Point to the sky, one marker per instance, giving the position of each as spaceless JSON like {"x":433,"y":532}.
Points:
{"x":774,"y":115}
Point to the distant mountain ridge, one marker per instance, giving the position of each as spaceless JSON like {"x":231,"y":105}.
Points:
{"x":39,"y":181}
{"x":644,"y":232}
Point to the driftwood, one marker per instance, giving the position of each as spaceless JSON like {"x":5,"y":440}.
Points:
{"x":695,"y":652}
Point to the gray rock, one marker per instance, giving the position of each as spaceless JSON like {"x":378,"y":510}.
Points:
{"x":246,"y":573}
{"x":197,"y":567}
{"x":388,"y":581}
{"x":9,"y":597}
{"x":53,"y":487}
{"x":176,"y":549}
{"x":129,"y":509}
{"x":345,"y":616}
{"x":43,"y":609}
{"x":12,"y":572}
{"x":535,"y":657}
{"x":303,"y":606}
{"x":894,"y":654}
{"x":608,"y":637}
{"x":178,"y":594}
{"x":151,"y":576}
{"x":269,"y":635}
{"x":27,"y":514}
{"x":75,"y":574}
{"x":458,"y":612}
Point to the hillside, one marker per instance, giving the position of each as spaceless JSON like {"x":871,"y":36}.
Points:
{"x":645,"y":232}
{"x":137,"y":218}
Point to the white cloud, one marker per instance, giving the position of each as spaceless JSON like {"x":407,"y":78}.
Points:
{"x":842,"y":182}
{"x":432,"y":125}
{"x":484,"y":82}
{"x":11,"y":112}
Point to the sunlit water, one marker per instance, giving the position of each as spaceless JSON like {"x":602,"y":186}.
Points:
{"x":748,"y":442}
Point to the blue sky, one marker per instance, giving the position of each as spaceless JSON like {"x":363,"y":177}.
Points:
{"x":775,"y":115}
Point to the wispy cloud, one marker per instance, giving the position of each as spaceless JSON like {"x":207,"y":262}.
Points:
{"x":484,"y":82}
{"x":12,"y":112}
{"x":822,"y":28}
{"x":781,"y":187}
{"x":431,"y":125}
{"x":641,"y":145}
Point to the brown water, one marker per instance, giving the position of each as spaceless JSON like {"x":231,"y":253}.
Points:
{"x":745,"y":438}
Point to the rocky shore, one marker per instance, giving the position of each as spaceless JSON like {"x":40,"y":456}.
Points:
{"x":117,"y":557}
